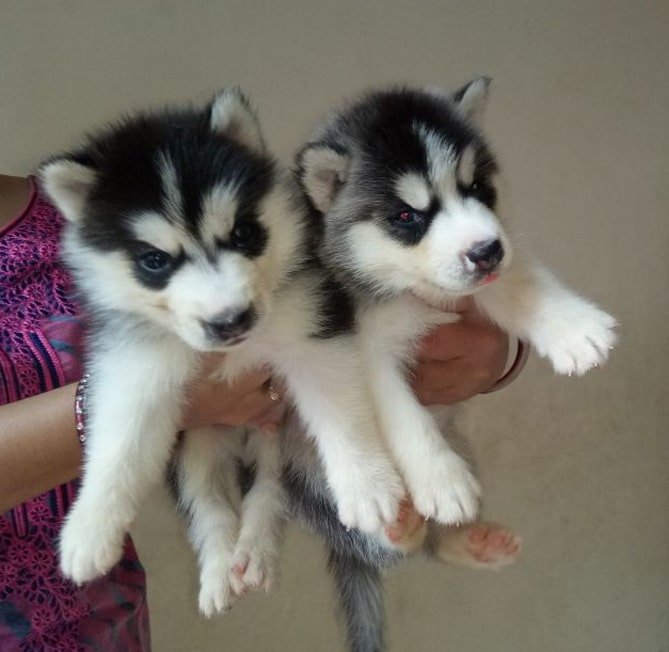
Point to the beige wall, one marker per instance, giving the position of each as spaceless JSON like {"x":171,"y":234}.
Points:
{"x":579,"y":118}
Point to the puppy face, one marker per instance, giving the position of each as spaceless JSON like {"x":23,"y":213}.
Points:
{"x":172,"y":217}
{"x":407,"y":188}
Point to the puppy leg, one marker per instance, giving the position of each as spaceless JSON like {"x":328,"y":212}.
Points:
{"x":439,"y":480}
{"x":528,"y":302}
{"x":360,"y":594}
{"x":134,"y":407}
{"x":356,"y":560}
{"x":310,"y":502}
{"x":206,"y":475}
{"x":333,"y":400}
{"x":480,"y":545}
{"x":409,"y":533}
{"x":262,"y":519}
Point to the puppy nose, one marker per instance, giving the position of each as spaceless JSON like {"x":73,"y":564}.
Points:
{"x":486,"y":255}
{"x":231,"y":323}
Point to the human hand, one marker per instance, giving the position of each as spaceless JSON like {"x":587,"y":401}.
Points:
{"x":457,"y":361}
{"x":250,"y":400}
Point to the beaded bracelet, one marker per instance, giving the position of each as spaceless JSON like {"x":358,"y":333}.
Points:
{"x":80,"y":408}
{"x":522,"y":353}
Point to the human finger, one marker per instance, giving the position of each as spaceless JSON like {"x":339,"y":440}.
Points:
{"x":436,"y":374}
{"x":444,"y":383}
{"x":447,"y":341}
{"x":255,"y":407}
{"x":269,"y":418}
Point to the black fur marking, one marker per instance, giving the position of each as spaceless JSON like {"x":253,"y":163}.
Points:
{"x":384,"y":130}
{"x":127,"y":158}
{"x":246,"y":476}
{"x":356,"y":561}
{"x":385,"y":125}
{"x":482,"y":187}
{"x":410,"y":233}
{"x":482,"y":190}
{"x":384,"y":133}
{"x":318,"y":512}
{"x":336,"y":312}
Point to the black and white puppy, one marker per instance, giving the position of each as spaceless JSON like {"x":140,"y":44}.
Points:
{"x":185,"y":237}
{"x":403,"y":186}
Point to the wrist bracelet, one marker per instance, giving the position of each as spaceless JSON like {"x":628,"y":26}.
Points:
{"x":522,"y":353}
{"x":80,"y":408}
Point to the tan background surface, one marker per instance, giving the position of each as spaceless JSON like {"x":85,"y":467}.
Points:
{"x":579,"y":119}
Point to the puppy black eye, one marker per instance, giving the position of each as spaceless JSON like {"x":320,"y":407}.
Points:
{"x":481,"y":190}
{"x":248,"y":237}
{"x":155,"y":261}
{"x":244,"y":234}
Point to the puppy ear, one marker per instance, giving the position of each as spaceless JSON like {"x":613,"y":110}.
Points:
{"x":322,"y":169}
{"x":232,"y":115}
{"x":472,"y":98}
{"x":68,"y":184}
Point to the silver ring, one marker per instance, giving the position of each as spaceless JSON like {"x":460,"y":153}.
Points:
{"x":272,"y":394}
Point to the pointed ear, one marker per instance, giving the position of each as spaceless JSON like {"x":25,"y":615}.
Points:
{"x":232,"y":115}
{"x":69,"y":184}
{"x":472,"y":98}
{"x":322,"y":169}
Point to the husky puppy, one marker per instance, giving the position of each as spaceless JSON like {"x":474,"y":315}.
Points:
{"x":184,"y":237}
{"x":403,"y":185}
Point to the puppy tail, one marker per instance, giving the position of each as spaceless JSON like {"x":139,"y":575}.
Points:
{"x":360,"y":596}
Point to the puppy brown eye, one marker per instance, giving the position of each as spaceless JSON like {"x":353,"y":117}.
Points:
{"x":474,"y":186}
{"x":407,"y":224}
{"x":407,"y":217}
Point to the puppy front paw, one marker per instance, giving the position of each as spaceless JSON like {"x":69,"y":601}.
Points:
{"x":368,"y":498}
{"x":90,"y":545}
{"x":444,"y":489}
{"x":577,"y":337}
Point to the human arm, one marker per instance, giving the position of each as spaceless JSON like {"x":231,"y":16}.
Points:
{"x":39,"y":448}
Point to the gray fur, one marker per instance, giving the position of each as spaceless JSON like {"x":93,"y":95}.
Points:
{"x":356,"y":560}
{"x":348,"y":171}
{"x":361,"y":601}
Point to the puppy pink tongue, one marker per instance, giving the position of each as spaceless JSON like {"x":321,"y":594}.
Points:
{"x":490,"y":278}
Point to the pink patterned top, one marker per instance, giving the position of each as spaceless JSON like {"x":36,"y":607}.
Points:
{"x":40,"y":350}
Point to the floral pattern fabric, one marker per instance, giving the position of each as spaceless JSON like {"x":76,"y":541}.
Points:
{"x":40,"y":349}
